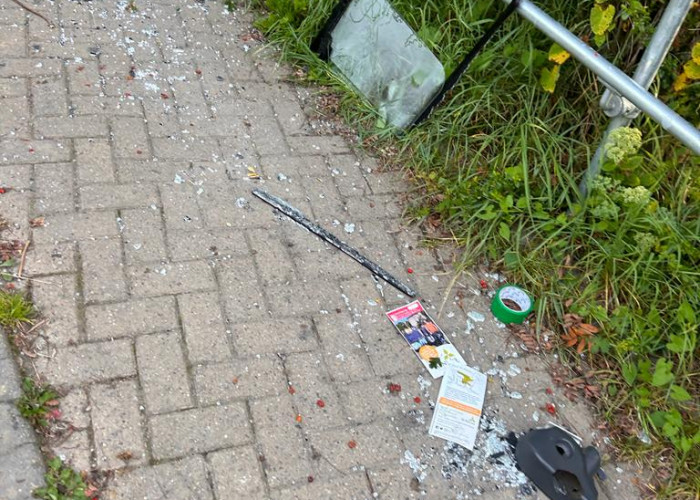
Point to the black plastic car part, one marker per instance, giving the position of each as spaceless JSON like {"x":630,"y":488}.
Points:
{"x":553,"y":459}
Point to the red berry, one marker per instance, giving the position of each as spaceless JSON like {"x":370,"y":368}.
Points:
{"x":483,"y":284}
{"x":416,"y":400}
{"x":291,"y":390}
{"x":551,"y":409}
{"x":320,"y":403}
{"x":352,"y":444}
{"x":409,"y":270}
{"x":394,"y":388}
{"x":549,"y":391}
{"x":310,"y":479}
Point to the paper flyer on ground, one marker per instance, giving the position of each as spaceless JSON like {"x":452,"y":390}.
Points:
{"x":459,"y":404}
{"x":426,"y":339}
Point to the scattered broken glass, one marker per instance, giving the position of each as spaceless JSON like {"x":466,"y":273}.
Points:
{"x":384,"y":59}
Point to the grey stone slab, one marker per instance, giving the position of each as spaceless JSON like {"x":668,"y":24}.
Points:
{"x":186,"y":479}
{"x":14,"y":430}
{"x":21,"y":472}
{"x":162,"y":372}
{"x":237,"y":473}
{"x":199,"y":430}
{"x":116,"y":423}
{"x":106,"y":321}
{"x":9,"y":379}
{"x":93,"y":362}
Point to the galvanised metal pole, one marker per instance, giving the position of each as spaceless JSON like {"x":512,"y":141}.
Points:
{"x":613,"y":105}
{"x":612,"y":76}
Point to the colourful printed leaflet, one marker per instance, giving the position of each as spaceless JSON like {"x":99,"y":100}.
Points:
{"x":427,"y":340}
{"x":459,"y":404}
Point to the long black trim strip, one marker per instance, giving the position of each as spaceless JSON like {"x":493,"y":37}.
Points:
{"x":464,"y":65}
{"x":300,"y":219}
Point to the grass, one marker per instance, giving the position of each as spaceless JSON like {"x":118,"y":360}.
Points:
{"x":15,"y":309}
{"x":498,"y":165}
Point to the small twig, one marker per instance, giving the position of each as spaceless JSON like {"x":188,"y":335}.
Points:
{"x":22,"y":260}
{"x":32,"y":279}
{"x":40,"y":323}
{"x":39,"y":14}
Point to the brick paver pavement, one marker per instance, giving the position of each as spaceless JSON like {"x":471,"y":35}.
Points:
{"x":192,"y":329}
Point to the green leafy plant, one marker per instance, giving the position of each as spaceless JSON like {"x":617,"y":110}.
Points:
{"x":62,"y":483}
{"x":14,"y":309}
{"x":37,"y":403}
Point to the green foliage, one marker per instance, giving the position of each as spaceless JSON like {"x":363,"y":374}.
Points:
{"x":288,"y":13}
{"x":500,"y":162}
{"x":36,"y":402}
{"x":62,"y":483}
{"x":14,"y":309}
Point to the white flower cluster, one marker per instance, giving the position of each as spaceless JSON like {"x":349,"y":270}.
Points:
{"x":622,"y":142}
{"x":638,"y":196}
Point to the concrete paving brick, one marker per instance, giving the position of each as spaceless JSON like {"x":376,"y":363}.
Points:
{"x":199,"y":430}
{"x":206,"y":244}
{"x":70,"y":127}
{"x":21,"y":472}
{"x":374,"y":207}
{"x":342,"y":347}
{"x":376,"y":444}
{"x":83,"y":77}
{"x":105,"y":105}
{"x":185,"y":479}
{"x":16,"y":151}
{"x":180,"y":208}
{"x":254,"y":376}
{"x":58,"y":300}
{"x":16,"y":176}
{"x":286,"y":458}
{"x":309,"y":376}
{"x":49,"y":96}
{"x":237,"y":473}
{"x":268,"y":137}
{"x":75,"y":408}
{"x":29,"y":68}
{"x":116,"y":423}
{"x":12,"y":15}
{"x":105,"y":321}
{"x":129,"y":137}
{"x":103,"y":270}
{"x":268,"y":246}
{"x":76,"y":451}
{"x":350,"y":487}
{"x":190,"y":149}
{"x":54,"y":186}
{"x":241,"y":291}
{"x":85,"y":363}
{"x":93,"y":158}
{"x":74,"y":226}
{"x":101,"y":196}
{"x":131,"y":171}
{"x":13,"y":43}
{"x":273,"y":336}
{"x":162,"y":372}
{"x":322,"y":144}
{"x":167,"y":279}
{"x":14,"y":121}
{"x":203,"y":325}
{"x":144,"y":238}
{"x":347,"y":175}
{"x":14,"y":206}
{"x":13,"y":87}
